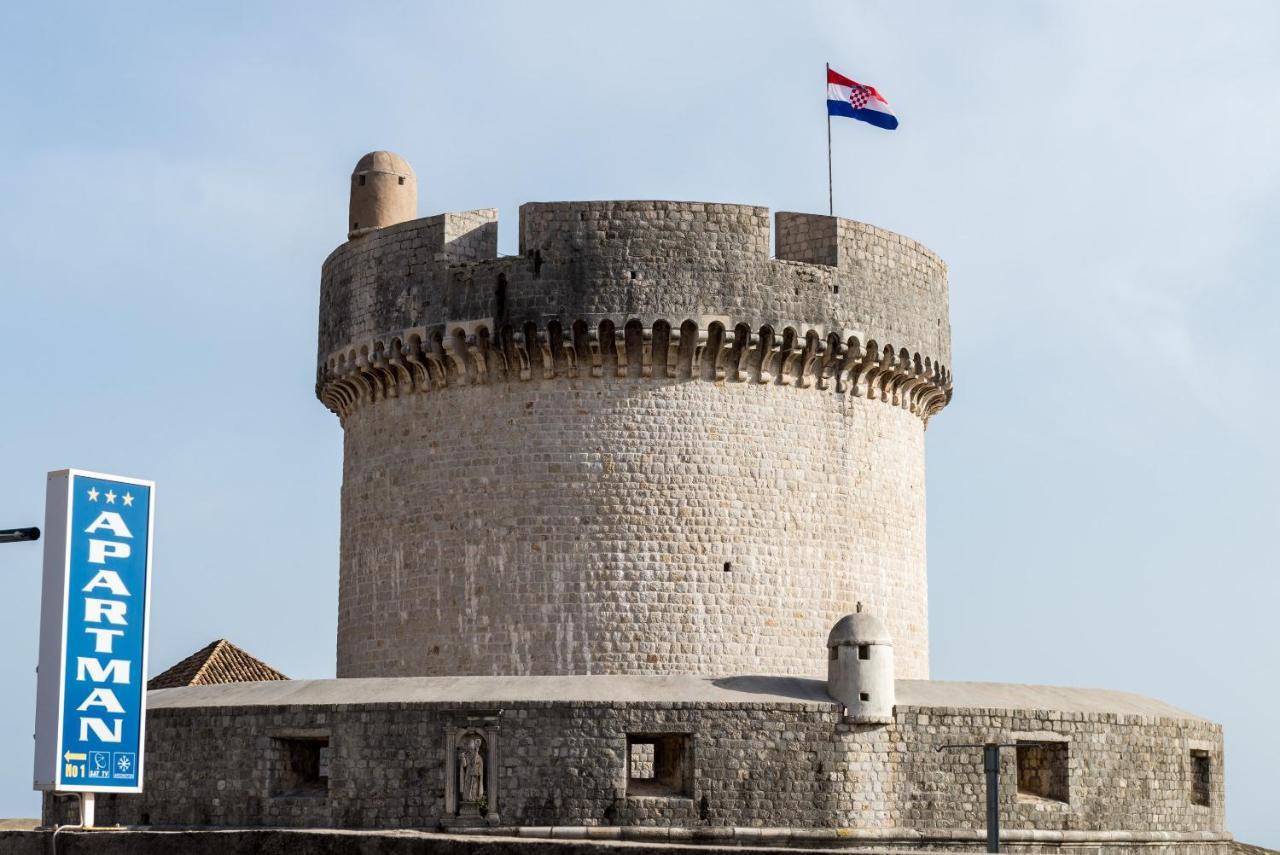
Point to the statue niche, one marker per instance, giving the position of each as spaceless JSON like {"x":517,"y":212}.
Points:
{"x":471,"y":775}
{"x":471,"y":792}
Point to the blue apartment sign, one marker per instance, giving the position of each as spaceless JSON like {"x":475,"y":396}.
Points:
{"x":91,"y":692}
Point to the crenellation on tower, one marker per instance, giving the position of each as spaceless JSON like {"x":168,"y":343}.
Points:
{"x":807,"y":238}
{"x":470,"y":236}
{"x":878,"y":279}
{"x":649,"y":262}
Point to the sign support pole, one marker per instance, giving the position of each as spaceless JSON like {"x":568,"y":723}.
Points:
{"x":86,"y":810}
{"x":831,"y":205}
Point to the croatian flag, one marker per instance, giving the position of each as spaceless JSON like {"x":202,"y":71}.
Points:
{"x":846,"y":97}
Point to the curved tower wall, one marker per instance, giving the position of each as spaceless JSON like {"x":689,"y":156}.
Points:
{"x":642,"y":446}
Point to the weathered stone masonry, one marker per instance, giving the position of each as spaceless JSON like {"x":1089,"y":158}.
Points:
{"x":643,"y":446}
{"x":765,"y":754}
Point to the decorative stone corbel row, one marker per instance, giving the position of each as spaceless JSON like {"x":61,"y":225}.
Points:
{"x":472,"y":353}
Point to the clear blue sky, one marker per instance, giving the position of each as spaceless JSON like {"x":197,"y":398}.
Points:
{"x":1101,"y":177}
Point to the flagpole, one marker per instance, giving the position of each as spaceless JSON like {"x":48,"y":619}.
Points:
{"x":831,"y":205}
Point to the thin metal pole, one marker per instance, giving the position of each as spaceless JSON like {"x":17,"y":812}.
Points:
{"x":831,"y":205}
{"x":991,"y":765}
{"x":18,"y":535}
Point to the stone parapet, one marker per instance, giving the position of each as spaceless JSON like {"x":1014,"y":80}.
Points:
{"x":767,"y":764}
{"x":645,"y":261}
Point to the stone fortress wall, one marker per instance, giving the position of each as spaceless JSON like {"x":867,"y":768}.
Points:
{"x":763,"y":760}
{"x":641,"y":446}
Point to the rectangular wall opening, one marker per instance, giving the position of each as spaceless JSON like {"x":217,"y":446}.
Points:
{"x":1043,"y":771}
{"x":300,"y":766}
{"x":659,"y":765}
{"x":1200,"y":777}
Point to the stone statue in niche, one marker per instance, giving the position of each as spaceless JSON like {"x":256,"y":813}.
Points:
{"x":471,"y":772}
{"x":471,"y":769}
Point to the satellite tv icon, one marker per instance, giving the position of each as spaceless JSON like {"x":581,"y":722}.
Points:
{"x":99,"y":764}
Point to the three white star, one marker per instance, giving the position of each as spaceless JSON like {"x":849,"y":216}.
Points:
{"x":93,"y":494}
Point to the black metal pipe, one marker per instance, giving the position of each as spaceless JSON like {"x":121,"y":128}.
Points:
{"x":991,"y":765}
{"x":18,"y":535}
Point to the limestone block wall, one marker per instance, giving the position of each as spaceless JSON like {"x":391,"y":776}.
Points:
{"x":629,"y":526}
{"x":888,"y":283}
{"x":1124,"y":771}
{"x":643,"y":446}
{"x":767,"y":765}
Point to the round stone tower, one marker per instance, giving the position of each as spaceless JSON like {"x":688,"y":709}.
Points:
{"x":640,"y":446}
{"x":384,"y":191}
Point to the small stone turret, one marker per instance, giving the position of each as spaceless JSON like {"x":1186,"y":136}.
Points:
{"x":384,"y":191}
{"x":860,"y":667}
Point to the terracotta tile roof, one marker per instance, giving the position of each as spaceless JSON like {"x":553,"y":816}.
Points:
{"x":219,"y":662}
